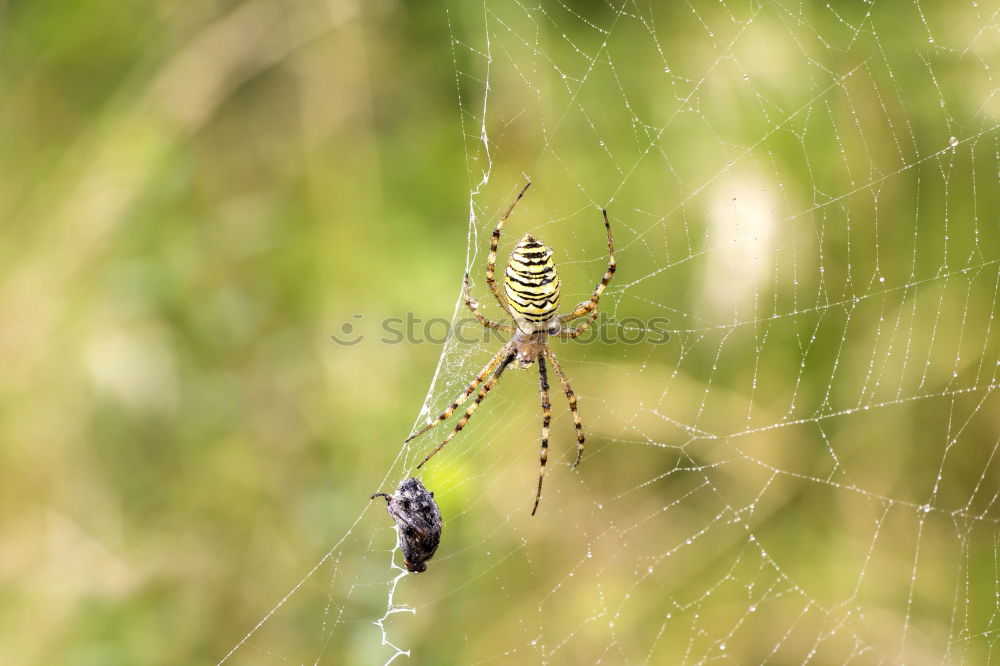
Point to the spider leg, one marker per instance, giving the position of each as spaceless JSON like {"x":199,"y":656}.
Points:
{"x":472,"y":408}
{"x":591,"y":305}
{"x":571,"y":397}
{"x":568,"y":332}
{"x":483,"y":320}
{"x":487,"y":369}
{"x":491,"y":262}
{"x":543,"y":382}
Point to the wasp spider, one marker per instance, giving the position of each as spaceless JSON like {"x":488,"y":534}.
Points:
{"x":531,"y":286}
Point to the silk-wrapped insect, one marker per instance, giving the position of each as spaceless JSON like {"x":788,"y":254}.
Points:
{"x":418,"y":520}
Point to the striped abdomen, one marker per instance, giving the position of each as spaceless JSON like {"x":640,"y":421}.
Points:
{"x":531,"y":283}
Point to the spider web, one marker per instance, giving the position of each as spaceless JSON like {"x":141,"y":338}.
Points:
{"x":808,"y":470}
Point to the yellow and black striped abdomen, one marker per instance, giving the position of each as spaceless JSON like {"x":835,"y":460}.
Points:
{"x":531,"y":282}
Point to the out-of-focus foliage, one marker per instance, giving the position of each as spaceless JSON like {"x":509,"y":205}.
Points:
{"x":196,"y":196}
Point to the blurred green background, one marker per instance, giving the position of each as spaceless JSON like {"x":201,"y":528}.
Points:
{"x":196,"y":196}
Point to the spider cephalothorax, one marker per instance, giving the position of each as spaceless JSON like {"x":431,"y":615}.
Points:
{"x":531,"y":285}
{"x":528,"y":347}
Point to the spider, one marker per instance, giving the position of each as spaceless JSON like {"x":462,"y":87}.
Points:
{"x":531,"y":286}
